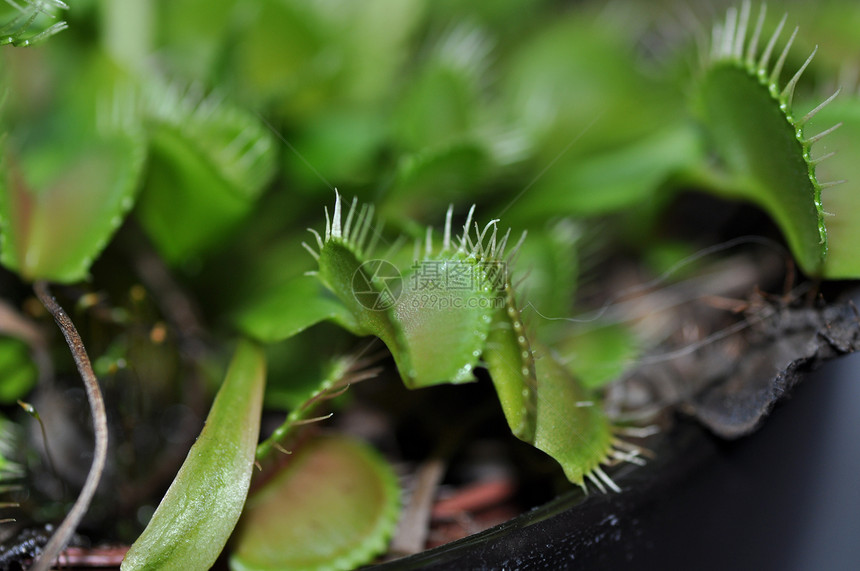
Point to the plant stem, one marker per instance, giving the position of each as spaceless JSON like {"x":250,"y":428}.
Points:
{"x":61,"y":537}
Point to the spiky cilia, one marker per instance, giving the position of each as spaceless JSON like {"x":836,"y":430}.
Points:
{"x":750,"y":120}
{"x":454,"y":309}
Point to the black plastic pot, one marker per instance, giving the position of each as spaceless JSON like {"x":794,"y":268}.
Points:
{"x":786,"y":497}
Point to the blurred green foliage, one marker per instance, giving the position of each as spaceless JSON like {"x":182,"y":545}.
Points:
{"x":213,"y":132}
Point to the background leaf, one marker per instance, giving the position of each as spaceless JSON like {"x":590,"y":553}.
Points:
{"x":290,"y":309}
{"x":209,"y":161}
{"x":62,"y":202}
{"x":18,"y":373}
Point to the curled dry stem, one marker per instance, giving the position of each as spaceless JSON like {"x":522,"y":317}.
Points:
{"x":61,"y":537}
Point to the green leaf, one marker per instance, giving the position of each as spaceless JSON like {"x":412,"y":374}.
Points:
{"x":612,"y":180}
{"x":749,"y":118}
{"x":18,"y":373}
{"x":445,"y":312}
{"x":326,"y":382}
{"x":438,"y":106}
{"x":191,"y":34}
{"x":10,"y":442}
{"x":333,"y":507}
{"x":511,"y":364}
{"x":343,"y":143}
{"x":209,"y":161}
{"x":546,"y":406}
{"x":599,"y":354}
{"x":431,"y":179}
{"x":571,"y":425}
{"x":71,"y":167}
{"x":577,"y":86}
{"x":433,"y":317}
{"x":842,"y":200}
{"x":308,"y":57}
{"x":452,"y":306}
{"x":364,"y":288}
{"x":199,"y":511}
{"x":63,"y":198}
{"x":367,"y":287}
{"x":547,"y":266}
{"x":290,"y":309}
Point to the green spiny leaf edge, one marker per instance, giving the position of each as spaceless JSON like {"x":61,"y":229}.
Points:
{"x":549,"y":410}
{"x":732,"y":48}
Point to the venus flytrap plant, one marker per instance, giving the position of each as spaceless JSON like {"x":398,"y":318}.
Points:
{"x":338,"y":487}
{"x":209,"y":160}
{"x":69,"y":179}
{"x":451,"y":310}
{"x":750,"y":119}
{"x":17,"y":28}
{"x":338,"y":376}
{"x":59,"y":206}
{"x":453,"y":305}
{"x":333,"y":507}
{"x":843,"y":230}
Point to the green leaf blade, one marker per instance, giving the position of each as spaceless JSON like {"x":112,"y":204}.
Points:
{"x":198,"y":512}
{"x":18,"y":373}
{"x":290,"y":309}
{"x":762,"y":148}
{"x":332,"y":508}
{"x":209,"y":163}
{"x":749,"y":119}
{"x":351,"y":279}
{"x":571,"y":425}
{"x":434,"y":317}
{"x":445,"y":323}
{"x":842,"y":200}
{"x":59,"y":208}
{"x":509,"y":359}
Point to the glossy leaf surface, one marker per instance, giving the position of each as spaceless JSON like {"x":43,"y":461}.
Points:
{"x":445,"y":312}
{"x":199,"y":511}
{"x":511,"y":364}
